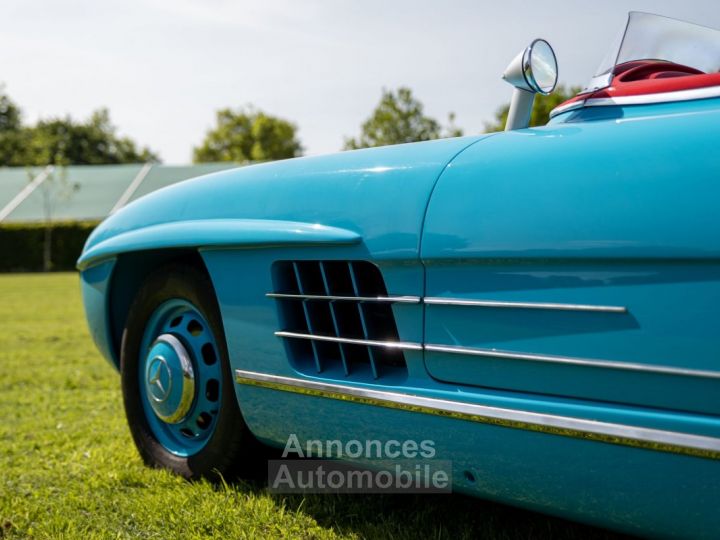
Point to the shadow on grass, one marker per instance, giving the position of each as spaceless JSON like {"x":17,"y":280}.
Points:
{"x":433,"y":516}
{"x":412,"y":516}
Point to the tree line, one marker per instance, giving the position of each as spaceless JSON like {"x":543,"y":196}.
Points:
{"x":239,"y":135}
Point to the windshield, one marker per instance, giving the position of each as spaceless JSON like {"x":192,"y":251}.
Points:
{"x":654,"y":37}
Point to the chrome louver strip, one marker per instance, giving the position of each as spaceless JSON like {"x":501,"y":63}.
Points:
{"x":491,"y":353}
{"x":407,"y":346}
{"x":379,"y":299}
{"x":568,"y":360}
{"x":338,"y":313}
{"x":510,"y":355}
{"x":565,"y":426}
{"x":432,"y":300}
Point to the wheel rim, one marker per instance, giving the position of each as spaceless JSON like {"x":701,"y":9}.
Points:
{"x":180,"y":377}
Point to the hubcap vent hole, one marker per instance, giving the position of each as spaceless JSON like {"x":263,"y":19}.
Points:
{"x":204,"y":420}
{"x":212,"y":390}
{"x":195,"y":328}
{"x":208,"y":354}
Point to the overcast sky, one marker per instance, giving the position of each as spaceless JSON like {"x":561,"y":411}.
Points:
{"x":163,"y":67}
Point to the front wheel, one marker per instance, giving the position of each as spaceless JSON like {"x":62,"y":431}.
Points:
{"x":177,"y":382}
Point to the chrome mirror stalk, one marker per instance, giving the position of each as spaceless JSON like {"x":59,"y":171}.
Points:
{"x":533,"y":71}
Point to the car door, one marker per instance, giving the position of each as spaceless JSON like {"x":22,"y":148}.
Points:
{"x":580,"y":261}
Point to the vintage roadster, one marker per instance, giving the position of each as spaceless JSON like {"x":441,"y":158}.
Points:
{"x":543,"y":303}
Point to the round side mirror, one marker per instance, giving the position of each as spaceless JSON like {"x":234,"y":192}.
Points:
{"x":535,"y":69}
{"x":540,"y":67}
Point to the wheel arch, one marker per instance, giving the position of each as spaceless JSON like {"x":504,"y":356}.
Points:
{"x":113,"y":268}
{"x":130,"y":271}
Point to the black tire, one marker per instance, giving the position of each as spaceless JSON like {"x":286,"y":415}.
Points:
{"x":231,"y":450}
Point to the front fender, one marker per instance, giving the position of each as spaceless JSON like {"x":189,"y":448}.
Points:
{"x":95,"y":285}
{"x":213,"y":233}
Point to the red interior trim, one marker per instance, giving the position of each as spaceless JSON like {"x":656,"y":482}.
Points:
{"x":651,"y":77}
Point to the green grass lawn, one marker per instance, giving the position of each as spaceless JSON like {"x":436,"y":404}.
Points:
{"x":68,"y":467}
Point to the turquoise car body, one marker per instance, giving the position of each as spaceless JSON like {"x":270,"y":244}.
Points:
{"x":564,"y":304}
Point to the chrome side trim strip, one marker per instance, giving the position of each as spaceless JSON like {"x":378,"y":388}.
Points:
{"x":566,"y":426}
{"x":523,"y":305}
{"x":510,"y":355}
{"x":584,"y":362}
{"x":643,"y":99}
{"x":660,"y":97}
{"x":382,"y":299}
{"x":351,"y":341}
{"x":432,"y":300}
{"x":569,"y":107}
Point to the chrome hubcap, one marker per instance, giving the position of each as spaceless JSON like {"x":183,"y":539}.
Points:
{"x":169,"y":379}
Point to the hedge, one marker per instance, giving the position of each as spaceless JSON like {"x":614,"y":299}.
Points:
{"x":21,"y":245}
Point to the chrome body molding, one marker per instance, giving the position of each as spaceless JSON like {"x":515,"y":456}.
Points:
{"x":510,"y":355}
{"x":660,"y":97}
{"x":380,"y":299}
{"x":567,"y":107}
{"x":566,"y":426}
{"x":432,"y":300}
{"x":407,"y":346}
{"x":568,"y":360}
{"x":641,"y":99}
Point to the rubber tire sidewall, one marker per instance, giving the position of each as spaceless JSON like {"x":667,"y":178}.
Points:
{"x":222,"y":454}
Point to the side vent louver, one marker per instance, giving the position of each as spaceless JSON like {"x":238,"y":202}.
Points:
{"x":337,"y":319}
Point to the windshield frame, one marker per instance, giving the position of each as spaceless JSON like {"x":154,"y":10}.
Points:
{"x":606,"y":71}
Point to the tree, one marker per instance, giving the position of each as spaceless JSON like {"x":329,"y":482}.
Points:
{"x":53,"y":189}
{"x":541,"y":108}
{"x":12,"y":142}
{"x":248,"y":134}
{"x":10,"y":116}
{"x":53,"y":144}
{"x":63,"y":140}
{"x":399,"y":118}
